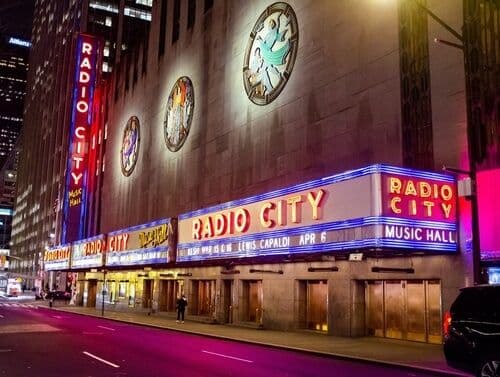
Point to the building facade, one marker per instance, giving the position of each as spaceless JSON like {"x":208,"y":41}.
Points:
{"x":276,"y":163}
{"x":49,"y":101}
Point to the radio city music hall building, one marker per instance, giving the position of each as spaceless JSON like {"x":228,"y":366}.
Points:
{"x":275,"y":162}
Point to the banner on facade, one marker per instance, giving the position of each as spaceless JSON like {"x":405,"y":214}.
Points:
{"x":88,"y":253}
{"x":57,"y":258}
{"x":150,"y":243}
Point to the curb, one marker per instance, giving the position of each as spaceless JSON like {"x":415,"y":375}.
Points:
{"x":366,"y":360}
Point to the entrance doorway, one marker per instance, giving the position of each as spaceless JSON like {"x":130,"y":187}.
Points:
{"x":227,"y":300}
{"x":313,"y":304}
{"x":252,"y":301}
{"x":203,"y":297}
{"x":169,"y":291}
{"x":91,"y":293}
{"x":404,"y":309}
{"x":147,"y":293}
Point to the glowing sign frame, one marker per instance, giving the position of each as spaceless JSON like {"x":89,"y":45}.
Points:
{"x":141,"y":236}
{"x":77,"y":169}
{"x":370,"y":228}
{"x":88,"y":253}
{"x":57,"y":258}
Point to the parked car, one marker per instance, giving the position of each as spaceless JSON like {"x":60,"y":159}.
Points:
{"x":472,"y":331}
{"x":58,"y":295}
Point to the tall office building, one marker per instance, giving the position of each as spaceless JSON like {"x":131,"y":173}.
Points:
{"x":14,"y":54}
{"x":118,"y":25}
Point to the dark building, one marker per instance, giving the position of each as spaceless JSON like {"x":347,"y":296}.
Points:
{"x":14,"y":54}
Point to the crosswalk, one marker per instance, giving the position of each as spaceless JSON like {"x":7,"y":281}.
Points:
{"x":18,"y":305}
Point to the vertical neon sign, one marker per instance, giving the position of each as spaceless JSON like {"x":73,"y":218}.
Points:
{"x":79,"y":139}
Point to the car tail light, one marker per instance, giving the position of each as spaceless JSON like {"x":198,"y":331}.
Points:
{"x":446,"y":323}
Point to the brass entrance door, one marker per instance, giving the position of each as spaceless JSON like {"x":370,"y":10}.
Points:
{"x":206,"y":297}
{"x":91,"y":293}
{"x":404,"y":309}
{"x":255,"y":301}
{"x":147,"y":293}
{"x":228,"y":301}
{"x":317,"y":305}
{"x":170,"y":290}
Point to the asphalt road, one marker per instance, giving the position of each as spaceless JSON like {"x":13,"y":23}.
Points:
{"x":44,"y":343}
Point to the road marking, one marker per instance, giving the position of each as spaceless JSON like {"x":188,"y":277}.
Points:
{"x":92,"y":333}
{"x":5,"y":351}
{"x":228,"y":357}
{"x":101,"y":360}
{"x":57,"y":316}
{"x":1,"y":316}
{"x":106,"y":328}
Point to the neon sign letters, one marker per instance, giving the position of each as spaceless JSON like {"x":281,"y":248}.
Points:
{"x":77,"y":166}
{"x":271,"y":214}
{"x":414,"y":210}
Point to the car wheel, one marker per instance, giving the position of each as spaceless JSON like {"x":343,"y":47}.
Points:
{"x":489,"y":368}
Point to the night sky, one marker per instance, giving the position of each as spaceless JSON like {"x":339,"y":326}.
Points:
{"x":16,"y":17}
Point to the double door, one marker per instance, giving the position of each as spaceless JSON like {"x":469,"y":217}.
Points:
{"x":404,"y":309}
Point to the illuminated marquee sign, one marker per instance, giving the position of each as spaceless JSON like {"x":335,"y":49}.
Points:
{"x":88,"y":253}
{"x":150,"y":243}
{"x":57,"y":258}
{"x":81,"y":120}
{"x":374,"y":207}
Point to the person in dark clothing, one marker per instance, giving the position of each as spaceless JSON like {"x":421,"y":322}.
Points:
{"x":181,"y":308}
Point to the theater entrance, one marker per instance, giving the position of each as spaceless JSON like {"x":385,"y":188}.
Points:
{"x":227,"y":300}
{"x":147,"y":293}
{"x":313,"y":304}
{"x":170,"y":290}
{"x":404,"y":309}
{"x":252,"y":299}
{"x":91,"y":293}
{"x":203,"y":297}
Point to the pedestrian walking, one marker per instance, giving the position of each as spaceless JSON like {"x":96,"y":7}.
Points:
{"x":181,"y":308}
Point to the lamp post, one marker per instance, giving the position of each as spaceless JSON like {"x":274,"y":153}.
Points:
{"x":103,"y":293}
{"x":472,"y":142}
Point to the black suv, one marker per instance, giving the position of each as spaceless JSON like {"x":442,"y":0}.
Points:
{"x":472,"y":331}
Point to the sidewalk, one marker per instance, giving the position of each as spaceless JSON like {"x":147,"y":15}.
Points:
{"x":412,"y":355}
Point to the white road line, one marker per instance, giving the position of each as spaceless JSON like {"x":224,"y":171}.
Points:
{"x":57,"y":316}
{"x":101,"y":360}
{"x":92,"y":333}
{"x":106,"y":328}
{"x":5,"y":351}
{"x":227,"y":357}
{"x":1,"y":316}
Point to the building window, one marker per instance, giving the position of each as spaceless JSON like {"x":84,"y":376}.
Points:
{"x":191,"y":13}
{"x":176,"y":24}
{"x":416,"y":113}
{"x":109,"y":21}
{"x":163,"y":28}
{"x":208,"y":5}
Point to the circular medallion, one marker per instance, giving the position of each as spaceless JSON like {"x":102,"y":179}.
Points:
{"x":180,"y":107}
{"x":270,"y":53}
{"x":130,"y":145}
